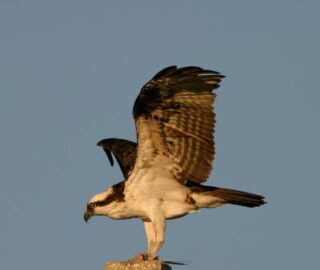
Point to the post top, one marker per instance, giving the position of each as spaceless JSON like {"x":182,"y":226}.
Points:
{"x":137,"y":265}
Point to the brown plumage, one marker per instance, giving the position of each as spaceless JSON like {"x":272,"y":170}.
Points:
{"x":124,"y":151}
{"x":165,"y":169}
{"x":227,"y":195}
{"x":176,"y":105}
{"x":176,"y":108}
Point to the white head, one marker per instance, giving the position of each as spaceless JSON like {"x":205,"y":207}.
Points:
{"x":103,"y":203}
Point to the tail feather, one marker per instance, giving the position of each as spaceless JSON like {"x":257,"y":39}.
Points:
{"x":225,"y":195}
{"x":238,"y":197}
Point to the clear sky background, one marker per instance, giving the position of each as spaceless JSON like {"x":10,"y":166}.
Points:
{"x":69,"y":73}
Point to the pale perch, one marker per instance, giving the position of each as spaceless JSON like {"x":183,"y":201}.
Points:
{"x":140,"y":265}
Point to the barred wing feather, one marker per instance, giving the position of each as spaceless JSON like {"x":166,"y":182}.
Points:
{"x":174,"y":118}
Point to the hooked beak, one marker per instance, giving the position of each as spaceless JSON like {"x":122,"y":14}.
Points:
{"x":87,"y":215}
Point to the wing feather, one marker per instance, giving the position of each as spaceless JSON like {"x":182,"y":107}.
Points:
{"x":175,"y":120}
{"x":124,"y":152}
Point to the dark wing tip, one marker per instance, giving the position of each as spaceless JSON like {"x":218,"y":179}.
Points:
{"x":164,"y":72}
{"x":123,"y":151}
{"x":104,"y":143}
{"x":187,"y":70}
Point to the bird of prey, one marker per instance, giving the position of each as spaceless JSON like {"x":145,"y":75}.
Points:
{"x":165,"y":170}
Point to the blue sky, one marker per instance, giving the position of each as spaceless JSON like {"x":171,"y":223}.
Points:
{"x":69,"y":73}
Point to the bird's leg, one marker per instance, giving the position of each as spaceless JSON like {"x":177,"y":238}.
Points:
{"x":155,"y":236}
{"x":148,"y":227}
{"x":150,"y":234}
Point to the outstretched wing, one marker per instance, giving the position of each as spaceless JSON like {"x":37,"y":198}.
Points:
{"x":175,"y":121}
{"x":124,"y":151}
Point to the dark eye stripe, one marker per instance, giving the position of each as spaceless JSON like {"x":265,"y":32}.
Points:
{"x":117,"y":195}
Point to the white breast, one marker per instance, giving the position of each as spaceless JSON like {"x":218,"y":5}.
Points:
{"x":153,"y":192}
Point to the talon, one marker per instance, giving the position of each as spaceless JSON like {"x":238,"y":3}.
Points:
{"x":150,"y":258}
{"x":143,"y":256}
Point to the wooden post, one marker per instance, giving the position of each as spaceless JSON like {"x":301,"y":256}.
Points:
{"x":137,"y":265}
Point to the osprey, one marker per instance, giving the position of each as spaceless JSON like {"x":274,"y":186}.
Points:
{"x":165,"y":169}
